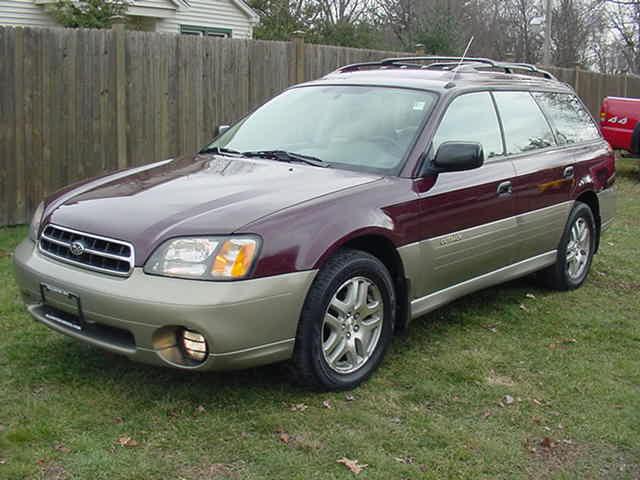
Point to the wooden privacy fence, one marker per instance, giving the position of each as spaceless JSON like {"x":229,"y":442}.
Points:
{"x":80,"y":103}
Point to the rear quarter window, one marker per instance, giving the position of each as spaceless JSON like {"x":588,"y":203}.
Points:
{"x":525,"y":127}
{"x":568,"y":117}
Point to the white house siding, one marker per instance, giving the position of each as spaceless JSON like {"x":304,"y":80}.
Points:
{"x":209,"y":13}
{"x":25,"y":13}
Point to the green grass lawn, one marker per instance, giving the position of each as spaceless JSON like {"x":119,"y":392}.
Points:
{"x":437,"y":408}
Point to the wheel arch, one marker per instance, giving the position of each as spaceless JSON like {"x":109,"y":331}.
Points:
{"x":382,"y":247}
{"x":591,"y":200}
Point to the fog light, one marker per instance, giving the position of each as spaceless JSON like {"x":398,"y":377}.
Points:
{"x":193,"y":344}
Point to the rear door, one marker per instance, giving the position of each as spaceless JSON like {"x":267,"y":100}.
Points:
{"x":544,"y":173}
{"x":467,"y":217}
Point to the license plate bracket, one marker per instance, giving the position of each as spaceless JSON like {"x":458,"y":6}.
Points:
{"x":51,"y":295}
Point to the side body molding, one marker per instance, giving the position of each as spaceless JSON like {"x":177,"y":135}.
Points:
{"x":444,"y":268}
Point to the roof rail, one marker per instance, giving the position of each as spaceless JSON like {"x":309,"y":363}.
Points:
{"x":454,"y":63}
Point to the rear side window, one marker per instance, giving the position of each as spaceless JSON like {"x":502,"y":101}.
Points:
{"x":525,"y":128}
{"x":471,"y":118}
{"x":570,"y":121}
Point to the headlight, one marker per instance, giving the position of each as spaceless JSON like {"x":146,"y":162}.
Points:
{"x":207,"y":258}
{"x":34,"y":227}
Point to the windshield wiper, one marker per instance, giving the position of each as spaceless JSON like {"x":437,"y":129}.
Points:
{"x":220,"y":151}
{"x":284,"y":156}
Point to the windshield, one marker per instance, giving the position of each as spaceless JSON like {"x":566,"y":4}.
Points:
{"x":356,"y":127}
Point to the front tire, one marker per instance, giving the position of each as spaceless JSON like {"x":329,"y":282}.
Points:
{"x":575,"y":252}
{"x":346,"y":323}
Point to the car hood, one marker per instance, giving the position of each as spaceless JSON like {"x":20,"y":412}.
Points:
{"x":201,"y":195}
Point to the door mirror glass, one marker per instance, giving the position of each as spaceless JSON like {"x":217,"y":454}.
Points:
{"x":223,"y":128}
{"x":458,"y":156}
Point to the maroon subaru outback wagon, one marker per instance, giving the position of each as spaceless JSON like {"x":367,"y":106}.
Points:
{"x":327,"y":219}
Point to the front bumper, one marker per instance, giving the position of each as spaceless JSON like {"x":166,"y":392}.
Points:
{"x":245,"y":323}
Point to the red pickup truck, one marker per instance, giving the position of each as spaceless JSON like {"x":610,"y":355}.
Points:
{"x":619,"y":121}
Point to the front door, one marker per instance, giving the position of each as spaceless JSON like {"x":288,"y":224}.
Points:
{"x":468,"y":217}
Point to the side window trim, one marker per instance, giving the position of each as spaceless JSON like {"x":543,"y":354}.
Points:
{"x":552,"y":127}
{"x":504,"y":141}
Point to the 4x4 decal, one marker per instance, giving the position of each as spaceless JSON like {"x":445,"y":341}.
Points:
{"x":619,"y":121}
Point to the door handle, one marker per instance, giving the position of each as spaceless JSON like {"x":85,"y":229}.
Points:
{"x":505,"y":188}
{"x":568,"y":173}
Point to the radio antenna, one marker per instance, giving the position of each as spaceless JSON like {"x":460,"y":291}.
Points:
{"x":464,"y":55}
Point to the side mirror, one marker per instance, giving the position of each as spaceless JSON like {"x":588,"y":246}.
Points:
{"x":223,"y":128}
{"x":457,"y":157}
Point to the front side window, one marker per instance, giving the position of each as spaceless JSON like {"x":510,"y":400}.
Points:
{"x":570,"y":121}
{"x":471,"y":118}
{"x":355,"y":127}
{"x":525,"y":128}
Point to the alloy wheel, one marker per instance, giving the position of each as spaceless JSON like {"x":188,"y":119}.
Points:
{"x":352,"y":325}
{"x":578,"y":248}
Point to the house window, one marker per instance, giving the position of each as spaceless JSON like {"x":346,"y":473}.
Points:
{"x":205,"y":31}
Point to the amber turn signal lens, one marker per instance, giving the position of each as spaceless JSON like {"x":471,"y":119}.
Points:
{"x":234,"y":259}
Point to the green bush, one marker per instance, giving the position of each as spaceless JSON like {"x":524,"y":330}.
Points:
{"x":88,"y":13}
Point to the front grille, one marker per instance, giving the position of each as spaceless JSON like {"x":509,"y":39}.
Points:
{"x":86,"y":250}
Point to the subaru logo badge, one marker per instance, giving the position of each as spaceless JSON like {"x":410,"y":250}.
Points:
{"x":77,"y":248}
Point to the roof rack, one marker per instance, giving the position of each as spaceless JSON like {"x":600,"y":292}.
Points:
{"x":454,"y":64}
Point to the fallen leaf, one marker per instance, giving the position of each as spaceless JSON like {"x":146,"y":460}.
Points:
{"x":487,"y":414}
{"x":201,"y":409}
{"x":41,"y":461}
{"x":298,"y":407}
{"x":531,"y":296}
{"x":491,"y":328}
{"x":523,"y":307}
{"x":2,"y":461}
{"x":611,"y":244}
{"x":546,"y":443}
{"x":352,"y":465}
{"x":61,"y":448}
{"x":508,"y":400}
{"x":349,"y":398}
{"x":327,"y":404}
{"x":406,"y":460}
{"x":118,"y":420}
{"x":284,"y":437}
{"x":126,"y":441}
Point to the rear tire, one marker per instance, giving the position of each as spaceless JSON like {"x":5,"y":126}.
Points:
{"x":575,"y":252}
{"x":346,"y":324}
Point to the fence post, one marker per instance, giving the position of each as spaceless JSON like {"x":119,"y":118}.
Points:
{"x":19,"y":216}
{"x":298,"y":42}
{"x":625,"y":87}
{"x":420,"y":50}
{"x":121,"y":91}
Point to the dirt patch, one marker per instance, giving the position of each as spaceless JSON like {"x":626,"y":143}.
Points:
{"x":550,"y":457}
{"x":53,"y":471}
{"x":214,"y":471}
{"x":502,"y":380}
